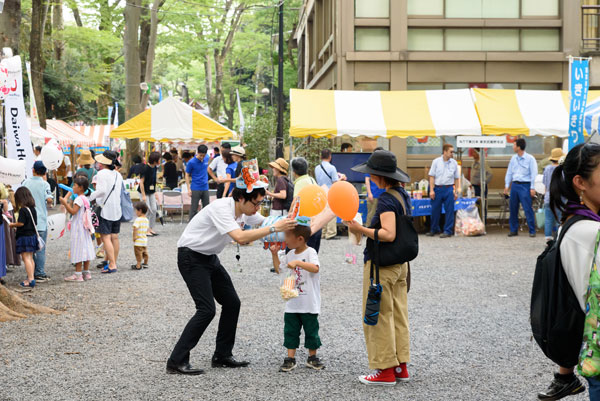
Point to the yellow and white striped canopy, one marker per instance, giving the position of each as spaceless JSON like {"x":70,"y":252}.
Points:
{"x":525,"y":112}
{"x":172,"y":121}
{"x":322,"y":113}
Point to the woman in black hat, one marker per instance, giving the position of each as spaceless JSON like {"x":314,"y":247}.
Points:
{"x":388,"y":342}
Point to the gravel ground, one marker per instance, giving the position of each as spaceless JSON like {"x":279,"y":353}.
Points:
{"x":469,"y":316}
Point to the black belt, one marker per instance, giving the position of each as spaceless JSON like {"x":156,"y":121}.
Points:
{"x":522,"y":182}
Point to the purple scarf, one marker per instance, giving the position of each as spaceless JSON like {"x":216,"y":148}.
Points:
{"x":581,"y":210}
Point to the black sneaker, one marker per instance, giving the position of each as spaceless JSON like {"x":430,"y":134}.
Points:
{"x":431,"y":234}
{"x":561,"y":387}
{"x":444,"y":235}
{"x":288,"y":365}
{"x":314,"y":362}
{"x":512,"y":234}
{"x":41,"y":279}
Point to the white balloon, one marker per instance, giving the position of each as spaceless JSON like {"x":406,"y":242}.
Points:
{"x":56,"y":226}
{"x":52,"y":155}
{"x":12,"y":172}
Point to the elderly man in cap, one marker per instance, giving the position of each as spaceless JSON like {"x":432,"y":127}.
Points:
{"x":443,"y":190}
{"x":283,"y":194}
{"x":40,"y":189}
{"x":550,"y":223}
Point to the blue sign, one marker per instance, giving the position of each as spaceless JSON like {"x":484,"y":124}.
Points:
{"x":578,"y":90}
{"x":422,"y":207}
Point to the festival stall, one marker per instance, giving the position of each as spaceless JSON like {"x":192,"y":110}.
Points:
{"x":172,"y":121}
{"x":67,"y":135}
{"x":98,"y":134}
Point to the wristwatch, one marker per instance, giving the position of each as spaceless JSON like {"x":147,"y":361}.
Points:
{"x":272,"y":229}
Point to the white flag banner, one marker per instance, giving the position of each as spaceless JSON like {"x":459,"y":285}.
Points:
{"x":33,"y":114}
{"x":18,"y":144}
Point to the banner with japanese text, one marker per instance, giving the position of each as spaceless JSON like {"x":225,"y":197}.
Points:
{"x":579,"y":82}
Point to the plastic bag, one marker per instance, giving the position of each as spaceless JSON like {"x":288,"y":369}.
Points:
{"x":468,"y":222}
{"x":288,"y":288}
{"x":354,"y":241}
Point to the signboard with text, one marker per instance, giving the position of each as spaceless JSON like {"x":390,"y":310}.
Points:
{"x":579,"y":82}
{"x":481,"y":141}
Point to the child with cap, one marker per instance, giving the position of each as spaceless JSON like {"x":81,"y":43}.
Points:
{"x":304,"y":310}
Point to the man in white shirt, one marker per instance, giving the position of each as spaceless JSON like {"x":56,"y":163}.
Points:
{"x":203,"y":239}
{"x":219,"y":166}
{"x":443,"y":190}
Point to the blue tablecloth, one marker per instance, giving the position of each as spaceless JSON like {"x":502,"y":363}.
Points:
{"x":422,"y":207}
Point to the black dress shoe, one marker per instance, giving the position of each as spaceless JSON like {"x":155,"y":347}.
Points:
{"x":511,"y":234}
{"x":228,"y":362}
{"x":431,"y":234}
{"x":444,"y":235}
{"x":183,"y":369}
{"x":562,"y":386}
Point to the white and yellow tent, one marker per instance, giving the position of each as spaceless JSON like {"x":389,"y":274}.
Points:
{"x":172,"y":121}
{"x":383,"y":114}
{"x":525,"y":112}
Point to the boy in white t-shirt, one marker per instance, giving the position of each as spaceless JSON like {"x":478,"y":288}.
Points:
{"x":140,"y":236}
{"x":304,"y":310}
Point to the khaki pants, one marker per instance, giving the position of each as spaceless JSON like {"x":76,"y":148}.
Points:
{"x":331,"y":229}
{"x":141,"y":254}
{"x":371,"y":209}
{"x":388,"y":342}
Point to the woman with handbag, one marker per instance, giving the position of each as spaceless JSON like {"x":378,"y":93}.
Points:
{"x":386,"y":330}
{"x":108,"y":207}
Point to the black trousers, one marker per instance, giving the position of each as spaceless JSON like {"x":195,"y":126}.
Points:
{"x":220,"y":190}
{"x":207,"y":281}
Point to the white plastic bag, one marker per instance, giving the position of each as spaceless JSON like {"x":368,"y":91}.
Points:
{"x":468,"y":222}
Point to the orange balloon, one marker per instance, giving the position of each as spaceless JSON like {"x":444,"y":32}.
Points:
{"x":313,"y":200}
{"x":343,"y":200}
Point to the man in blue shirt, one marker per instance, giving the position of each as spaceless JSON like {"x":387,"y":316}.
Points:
{"x":196,"y":171}
{"x":326,"y":174}
{"x":443,"y":190}
{"x":40,"y":189}
{"x":520,"y":183}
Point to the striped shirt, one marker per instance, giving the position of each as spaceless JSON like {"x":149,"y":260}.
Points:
{"x":141,"y":231}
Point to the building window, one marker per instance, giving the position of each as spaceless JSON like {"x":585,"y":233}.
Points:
{"x":539,"y":8}
{"x":482,"y":9}
{"x":426,"y":7}
{"x":372,"y":39}
{"x":540,"y":40}
{"x":372,"y":86}
{"x":492,"y":40}
{"x":372,"y":8}
{"x":540,"y":87}
{"x":426,"y":39}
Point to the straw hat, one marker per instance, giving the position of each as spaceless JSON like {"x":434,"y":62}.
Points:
{"x":238,"y":150}
{"x":281,"y":165}
{"x":85,"y":157}
{"x":556,"y":154}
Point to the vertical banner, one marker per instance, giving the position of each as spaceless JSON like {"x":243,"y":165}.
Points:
{"x":241,"y":115}
{"x":579,"y":82}
{"x":18,"y":144}
{"x":160,"y":96}
{"x":33,"y":113}
{"x":116,"y":122}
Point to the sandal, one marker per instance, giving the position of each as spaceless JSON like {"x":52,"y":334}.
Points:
{"x":30,"y":284}
{"x":107,"y":270}
{"x":144,"y":265}
{"x":134,"y":267}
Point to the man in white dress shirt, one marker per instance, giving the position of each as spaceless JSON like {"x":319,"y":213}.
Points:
{"x":443,"y":190}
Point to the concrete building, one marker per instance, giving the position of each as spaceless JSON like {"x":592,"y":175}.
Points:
{"x":443,"y":44}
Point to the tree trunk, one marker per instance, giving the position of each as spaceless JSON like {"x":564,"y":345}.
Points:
{"x":73,"y":6}
{"x":36,"y":57}
{"x":58,"y":26}
{"x":13,"y":307}
{"x":151,"y":49}
{"x":132,"y":71}
{"x":10,"y":25}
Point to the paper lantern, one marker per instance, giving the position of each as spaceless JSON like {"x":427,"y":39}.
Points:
{"x":52,"y":155}
{"x":12,"y":172}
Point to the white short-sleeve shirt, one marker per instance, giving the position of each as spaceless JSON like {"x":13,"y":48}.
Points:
{"x":576,"y":254}
{"x":106,"y":196}
{"x":219,"y":167}
{"x":207,"y":232}
{"x":308,"y":284}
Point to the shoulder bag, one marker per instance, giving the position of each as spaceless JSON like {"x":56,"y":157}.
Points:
{"x":41,"y":242}
{"x":405,"y":246}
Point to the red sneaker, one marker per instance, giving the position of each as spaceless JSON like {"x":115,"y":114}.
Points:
{"x":383,"y":377}
{"x":401,"y":373}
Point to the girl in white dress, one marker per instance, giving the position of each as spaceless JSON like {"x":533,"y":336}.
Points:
{"x":82,"y":247}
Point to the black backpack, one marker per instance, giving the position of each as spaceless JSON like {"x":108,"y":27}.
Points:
{"x":289,"y":194}
{"x":556,"y":316}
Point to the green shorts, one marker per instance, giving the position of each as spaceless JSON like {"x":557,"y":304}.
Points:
{"x":293,"y":323}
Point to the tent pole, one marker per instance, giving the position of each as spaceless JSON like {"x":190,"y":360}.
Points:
{"x":483,"y":184}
